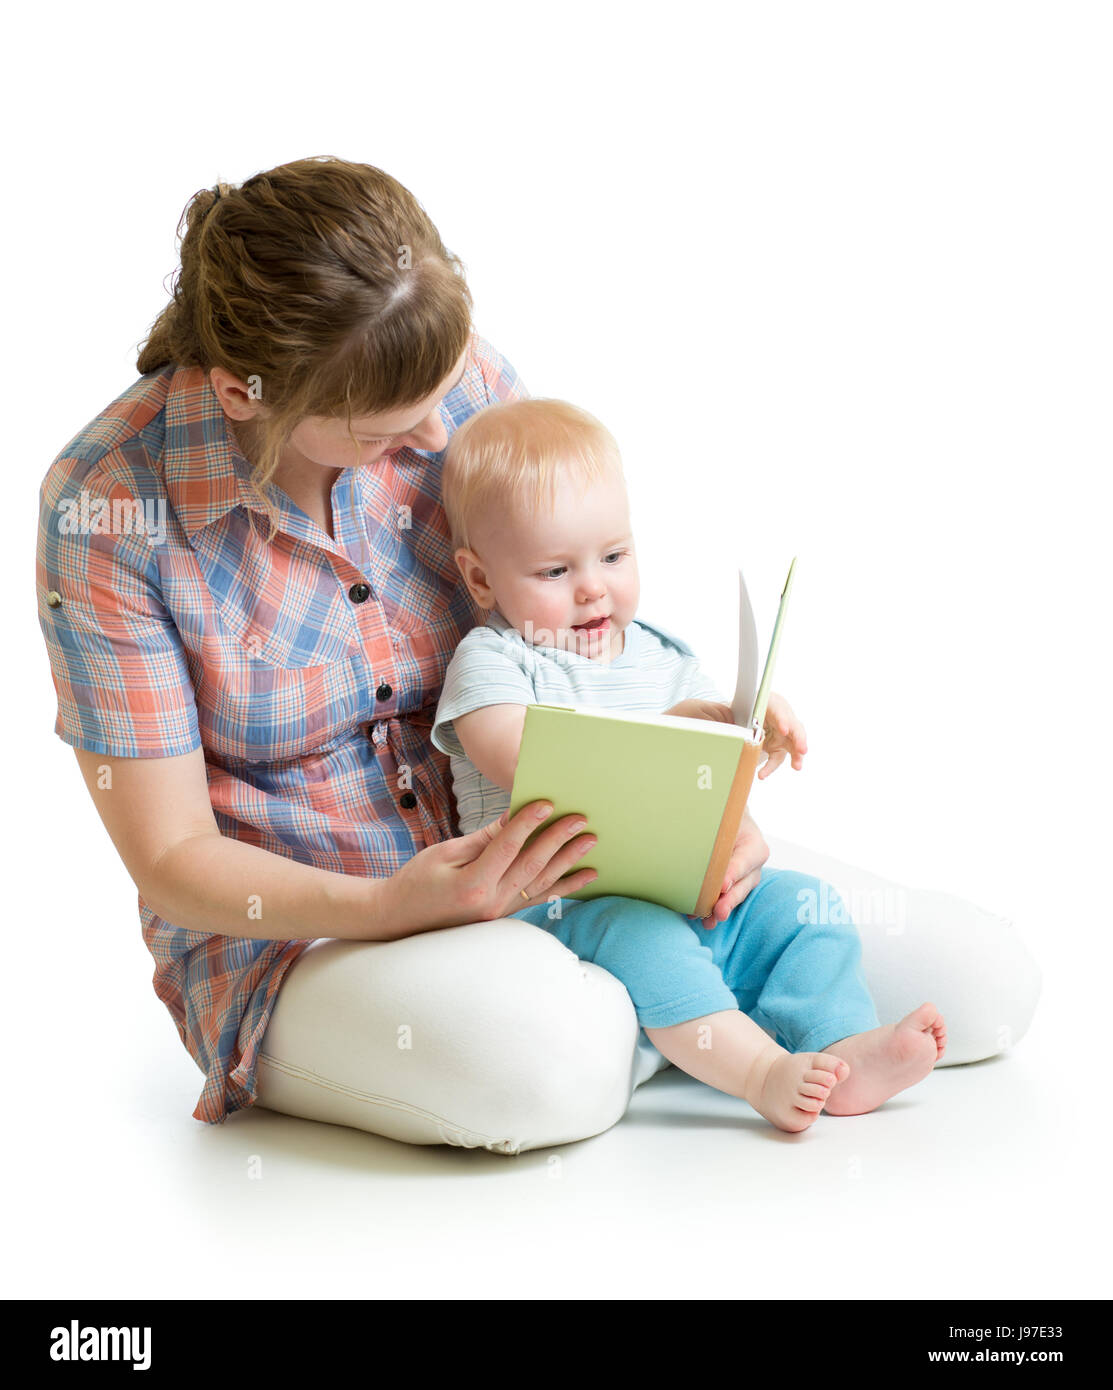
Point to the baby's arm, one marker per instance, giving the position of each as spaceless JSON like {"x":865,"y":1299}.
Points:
{"x":491,"y":738}
{"x":784,"y":734}
{"x":481,"y":712}
{"x":703,"y":709}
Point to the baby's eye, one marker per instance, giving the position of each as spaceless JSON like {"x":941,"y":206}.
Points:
{"x":554,"y":573}
{"x":614,"y":557}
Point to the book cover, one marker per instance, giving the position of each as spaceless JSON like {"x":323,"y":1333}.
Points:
{"x":665,"y":797}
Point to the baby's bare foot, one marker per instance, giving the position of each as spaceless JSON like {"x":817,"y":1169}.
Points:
{"x":887,"y":1060}
{"x":791,"y":1088}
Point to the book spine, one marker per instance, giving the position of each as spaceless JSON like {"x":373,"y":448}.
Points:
{"x":728,"y":828}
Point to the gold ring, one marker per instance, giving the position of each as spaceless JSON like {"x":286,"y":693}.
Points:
{"x":524,"y":894}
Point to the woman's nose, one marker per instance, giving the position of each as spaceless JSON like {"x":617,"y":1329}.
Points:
{"x":430,"y":435}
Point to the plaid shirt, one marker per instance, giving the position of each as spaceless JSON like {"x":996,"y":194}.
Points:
{"x":312,"y":697}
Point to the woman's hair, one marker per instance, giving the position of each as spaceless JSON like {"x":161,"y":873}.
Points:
{"x":513,"y":453}
{"x":324,"y":285}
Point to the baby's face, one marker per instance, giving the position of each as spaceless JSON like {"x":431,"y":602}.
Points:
{"x":569,"y":579}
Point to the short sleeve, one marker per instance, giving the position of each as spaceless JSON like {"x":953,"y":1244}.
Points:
{"x":482,"y":672}
{"x":116,"y":657}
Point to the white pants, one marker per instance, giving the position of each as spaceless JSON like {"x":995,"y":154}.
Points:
{"x":495,"y":1035}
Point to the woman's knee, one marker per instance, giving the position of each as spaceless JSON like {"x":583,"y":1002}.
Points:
{"x":490,"y":1034}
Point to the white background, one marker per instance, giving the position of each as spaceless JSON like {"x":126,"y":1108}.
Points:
{"x":838,"y":277}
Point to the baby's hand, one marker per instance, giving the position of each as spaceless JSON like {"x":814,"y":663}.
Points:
{"x":783,"y":734}
{"x":703,"y":709}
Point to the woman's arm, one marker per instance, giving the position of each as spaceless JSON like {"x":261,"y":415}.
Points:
{"x":158,"y":815}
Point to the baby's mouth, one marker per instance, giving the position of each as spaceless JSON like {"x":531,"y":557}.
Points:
{"x":592,"y":626}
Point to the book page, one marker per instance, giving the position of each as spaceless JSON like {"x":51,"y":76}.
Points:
{"x":742,"y":706}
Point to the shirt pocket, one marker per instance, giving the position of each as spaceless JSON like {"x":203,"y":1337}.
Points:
{"x":281,"y":605}
{"x":254,"y":712}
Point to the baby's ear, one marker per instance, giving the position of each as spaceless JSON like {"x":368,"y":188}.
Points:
{"x":475,"y":576}
{"x":465,"y":560}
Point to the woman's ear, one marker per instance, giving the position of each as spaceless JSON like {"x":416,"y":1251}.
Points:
{"x":240,"y":400}
{"x":475,"y":577}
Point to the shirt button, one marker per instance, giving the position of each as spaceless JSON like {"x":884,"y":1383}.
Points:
{"x":54,"y":598}
{"x":407,"y":801}
{"x":359,"y":593}
{"x":384,"y":692}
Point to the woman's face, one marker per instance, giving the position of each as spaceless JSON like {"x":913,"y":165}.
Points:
{"x":325,"y":440}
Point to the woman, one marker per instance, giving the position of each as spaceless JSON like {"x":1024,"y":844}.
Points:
{"x":249,"y":600}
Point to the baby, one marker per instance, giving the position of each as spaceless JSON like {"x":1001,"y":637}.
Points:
{"x":770,"y":1004}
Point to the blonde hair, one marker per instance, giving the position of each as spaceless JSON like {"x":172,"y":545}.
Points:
{"x":513,"y":453}
{"x":326,"y":282}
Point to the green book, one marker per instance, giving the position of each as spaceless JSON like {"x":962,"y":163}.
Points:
{"x":664,"y":794}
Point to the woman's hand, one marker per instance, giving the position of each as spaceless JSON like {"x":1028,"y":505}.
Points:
{"x":703,"y":709}
{"x":481,"y":876}
{"x":784,"y":735}
{"x":743,"y":873}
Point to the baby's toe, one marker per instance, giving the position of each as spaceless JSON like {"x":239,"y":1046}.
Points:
{"x":828,"y":1062}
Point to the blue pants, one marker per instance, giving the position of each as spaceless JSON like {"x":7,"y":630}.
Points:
{"x":789,"y":956}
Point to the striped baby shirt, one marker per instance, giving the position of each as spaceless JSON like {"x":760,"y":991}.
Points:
{"x":494,"y":665}
{"x":307,"y":668}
